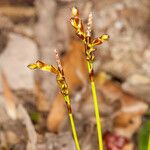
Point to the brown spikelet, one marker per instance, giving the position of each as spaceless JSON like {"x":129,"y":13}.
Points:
{"x":89,"y":24}
{"x":58,"y":61}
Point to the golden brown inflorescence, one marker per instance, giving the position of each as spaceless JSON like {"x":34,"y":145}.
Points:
{"x":59,"y":74}
{"x":90,"y":43}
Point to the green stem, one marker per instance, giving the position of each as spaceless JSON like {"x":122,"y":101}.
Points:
{"x":97,"y":115}
{"x":149,"y":143}
{"x":67,"y":100}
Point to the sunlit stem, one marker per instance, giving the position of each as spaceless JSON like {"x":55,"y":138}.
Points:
{"x":149,"y":143}
{"x":96,"y":108}
{"x":67,"y":100}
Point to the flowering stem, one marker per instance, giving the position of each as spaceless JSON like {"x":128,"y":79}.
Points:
{"x":90,"y":43}
{"x":97,"y":115}
{"x":67,"y":100}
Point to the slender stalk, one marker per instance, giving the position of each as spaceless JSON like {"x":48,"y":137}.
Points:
{"x":67,"y":100}
{"x":149,"y":143}
{"x":97,"y":115}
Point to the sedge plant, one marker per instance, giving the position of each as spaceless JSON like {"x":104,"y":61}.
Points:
{"x":60,"y":78}
{"x":89,"y":49}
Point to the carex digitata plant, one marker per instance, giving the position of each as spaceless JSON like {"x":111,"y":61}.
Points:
{"x":90,"y":44}
{"x":60,"y":78}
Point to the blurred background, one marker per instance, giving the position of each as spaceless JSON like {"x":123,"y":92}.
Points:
{"x":33,"y":115}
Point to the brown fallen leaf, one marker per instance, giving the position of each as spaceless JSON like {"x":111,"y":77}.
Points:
{"x":127,"y":120}
{"x":76,"y":75}
{"x":130,"y":128}
{"x":10,"y":100}
{"x":56,"y":114}
{"x":41,"y":101}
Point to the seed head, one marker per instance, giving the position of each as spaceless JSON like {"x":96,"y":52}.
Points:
{"x":89,"y":24}
{"x":58,"y":61}
{"x":74,"y":11}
